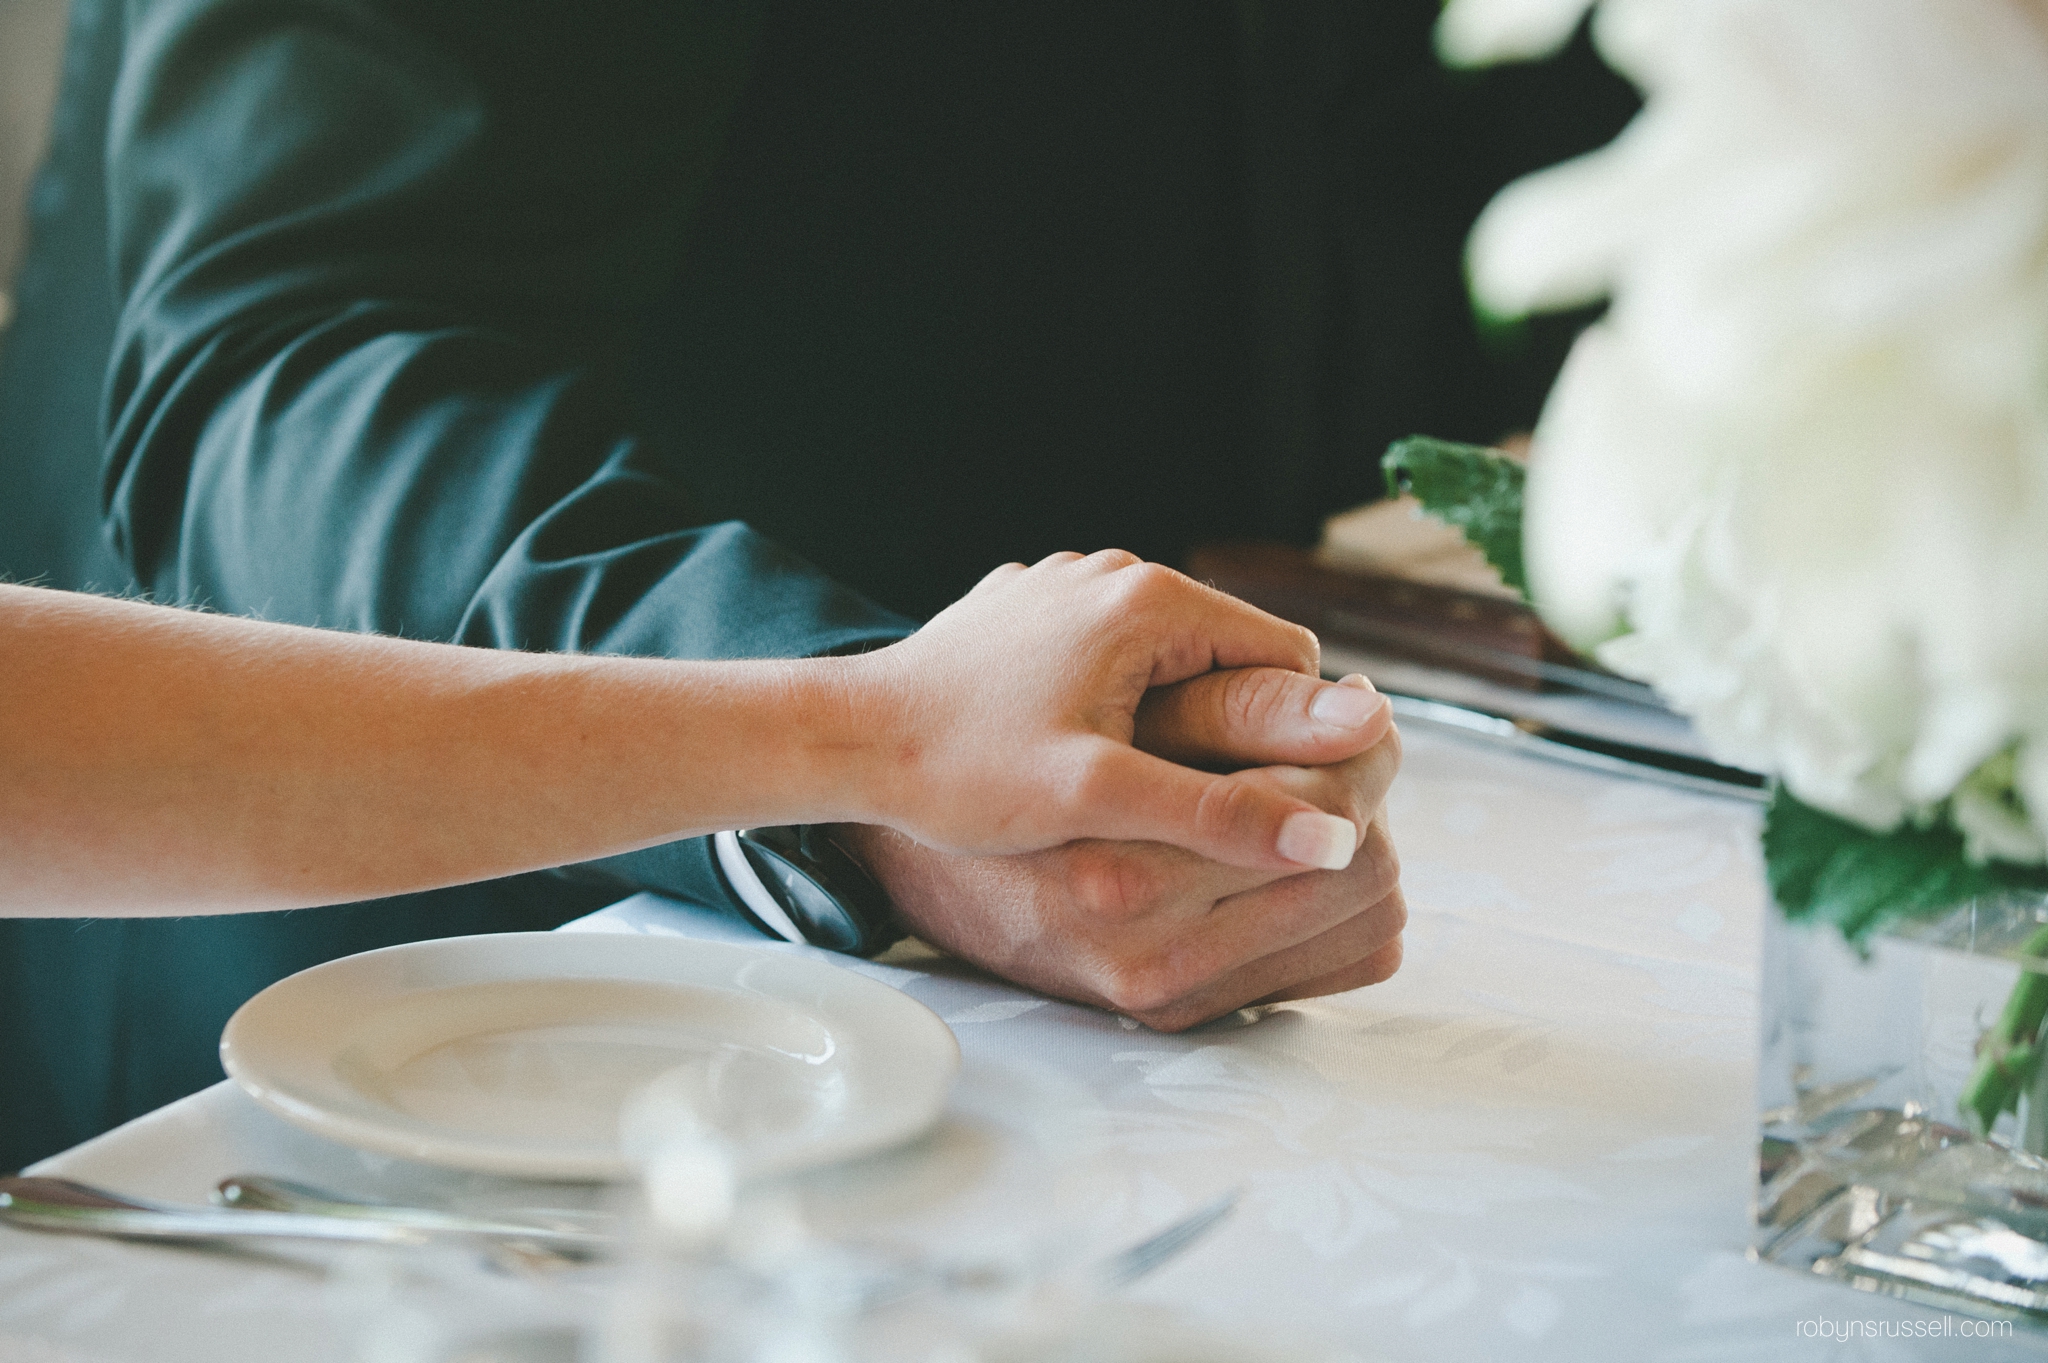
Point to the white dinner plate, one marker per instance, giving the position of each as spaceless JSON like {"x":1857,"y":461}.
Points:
{"x":513,"y":1053}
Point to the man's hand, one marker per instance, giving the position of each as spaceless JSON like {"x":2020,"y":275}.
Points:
{"x":1159,"y":933}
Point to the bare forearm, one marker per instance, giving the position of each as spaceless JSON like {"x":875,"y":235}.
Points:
{"x":159,"y":761}
{"x":163,"y":762}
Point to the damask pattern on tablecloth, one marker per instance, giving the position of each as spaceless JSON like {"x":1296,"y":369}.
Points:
{"x":1535,"y":1142}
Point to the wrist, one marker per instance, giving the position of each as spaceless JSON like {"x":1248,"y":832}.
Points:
{"x":872,"y":741}
{"x":812,"y":753}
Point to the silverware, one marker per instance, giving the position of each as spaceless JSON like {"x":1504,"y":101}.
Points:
{"x":1420,"y":641}
{"x":1535,"y":738}
{"x":1118,"y":1271}
{"x":63,"y":1205}
{"x":1155,"y":1251}
{"x":253,"y":1209}
{"x":261,"y":1192}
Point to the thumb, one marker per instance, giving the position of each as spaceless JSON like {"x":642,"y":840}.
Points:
{"x":1228,"y":819}
{"x":1261,"y":717}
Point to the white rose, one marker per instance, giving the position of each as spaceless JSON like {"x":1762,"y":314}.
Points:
{"x":1803,"y":461}
{"x":1476,"y":32}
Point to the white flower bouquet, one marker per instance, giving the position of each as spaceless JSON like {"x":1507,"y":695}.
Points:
{"x":1796,"y":476}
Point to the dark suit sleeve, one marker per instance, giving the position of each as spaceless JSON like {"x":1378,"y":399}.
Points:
{"x":381,"y":266}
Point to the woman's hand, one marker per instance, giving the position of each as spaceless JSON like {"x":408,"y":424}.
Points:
{"x":1006,"y":724}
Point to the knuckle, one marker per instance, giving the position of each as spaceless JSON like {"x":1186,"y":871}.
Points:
{"x":1146,"y":990}
{"x":1096,"y":782}
{"x":1382,"y":964}
{"x":1380,"y":855}
{"x":1226,"y":807}
{"x":1086,"y":783}
{"x":1329,"y":790}
{"x":1392,"y":913}
{"x":1250,"y":699}
{"x":1366,"y":778}
{"x":997,"y":576}
{"x":1389,"y":750}
{"x":1105,"y":881}
{"x":1174,"y":1019}
{"x":1115,"y":559}
{"x":1157,"y":575}
{"x":1138,"y":582}
{"x":1093,"y":882}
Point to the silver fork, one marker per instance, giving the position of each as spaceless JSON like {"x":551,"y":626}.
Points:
{"x":283,"y":1210}
{"x":565,"y":1231}
{"x":1155,"y":1251}
{"x":1111,"y":1274}
{"x":261,"y":1191}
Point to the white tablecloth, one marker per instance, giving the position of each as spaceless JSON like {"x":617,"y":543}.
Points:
{"x":1534,"y":1143}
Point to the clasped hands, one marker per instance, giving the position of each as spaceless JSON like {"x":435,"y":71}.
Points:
{"x":1113,"y":784}
{"x":1093,"y":775}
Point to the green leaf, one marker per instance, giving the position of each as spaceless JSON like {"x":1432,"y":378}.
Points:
{"x":1476,"y":490}
{"x":1832,"y":871}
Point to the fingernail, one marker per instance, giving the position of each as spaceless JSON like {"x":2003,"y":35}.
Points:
{"x":1312,"y":839}
{"x":1359,"y":680}
{"x":1344,"y":706}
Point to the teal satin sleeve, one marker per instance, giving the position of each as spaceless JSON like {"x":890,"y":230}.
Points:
{"x":381,"y":265}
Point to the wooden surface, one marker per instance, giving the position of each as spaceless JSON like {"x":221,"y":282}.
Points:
{"x":1438,"y":625}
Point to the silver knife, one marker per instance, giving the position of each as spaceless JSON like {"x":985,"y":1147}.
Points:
{"x":1535,"y":738}
{"x":1462,"y":655}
